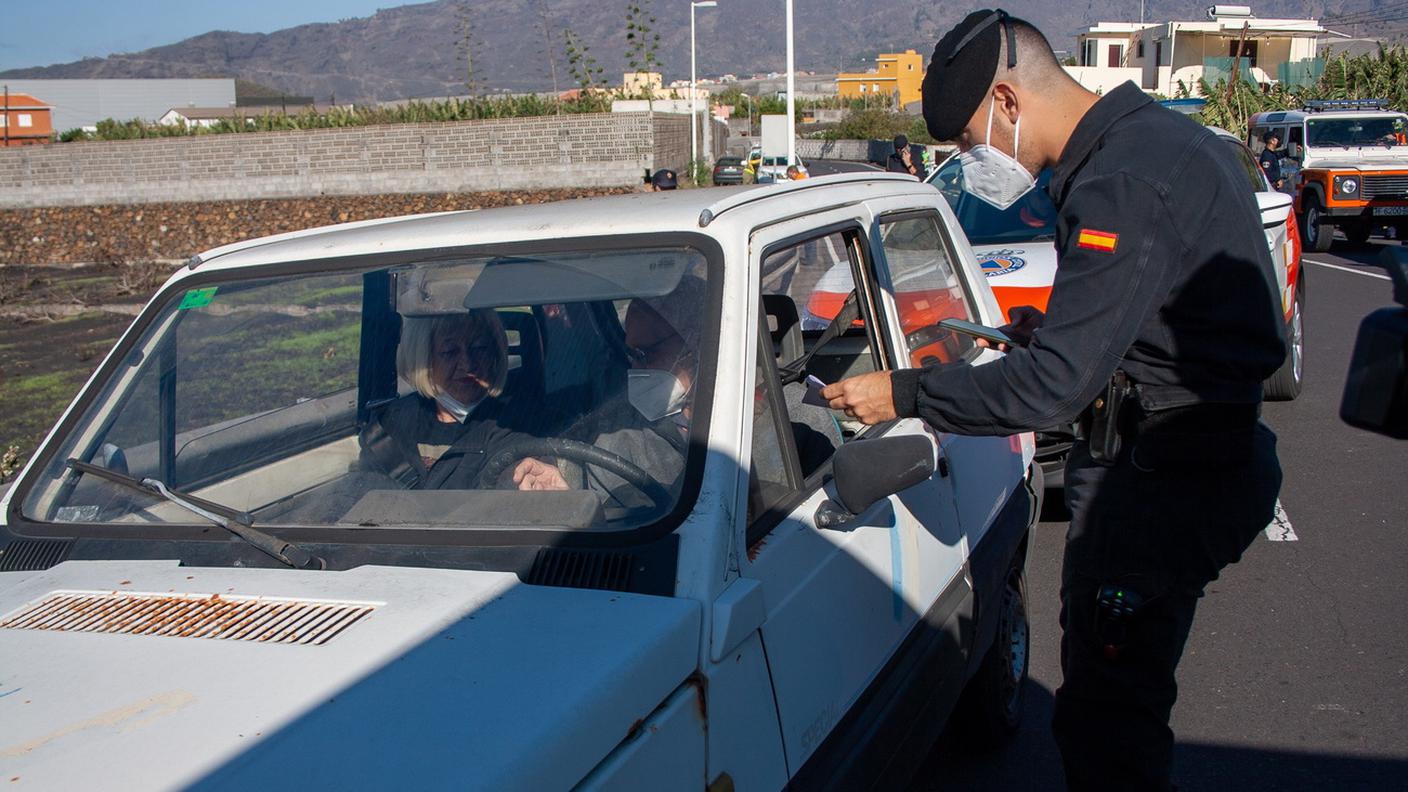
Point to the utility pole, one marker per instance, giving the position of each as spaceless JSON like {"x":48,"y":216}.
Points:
{"x":7,"y":115}
{"x":791,"y":94}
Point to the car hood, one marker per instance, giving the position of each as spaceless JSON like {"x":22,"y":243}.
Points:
{"x":450,"y":678}
{"x":1019,"y":273}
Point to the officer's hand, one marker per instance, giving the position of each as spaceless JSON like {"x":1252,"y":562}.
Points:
{"x":867,"y":398}
{"x":1025,"y":320}
{"x":531,"y":474}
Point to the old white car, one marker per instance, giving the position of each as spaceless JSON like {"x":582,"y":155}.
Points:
{"x":530,"y":498}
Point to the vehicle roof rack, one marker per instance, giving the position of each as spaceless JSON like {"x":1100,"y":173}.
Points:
{"x":1323,"y":105}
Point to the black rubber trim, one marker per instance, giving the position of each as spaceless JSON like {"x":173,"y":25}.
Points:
{"x":888,"y":732}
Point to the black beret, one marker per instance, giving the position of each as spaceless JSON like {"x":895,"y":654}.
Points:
{"x":962,"y":70}
{"x":901,"y":142}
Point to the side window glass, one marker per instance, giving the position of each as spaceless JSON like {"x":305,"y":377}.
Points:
{"x":768,"y":480}
{"x":817,"y":329}
{"x":1298,"y":135}
{"x":927,"y":288}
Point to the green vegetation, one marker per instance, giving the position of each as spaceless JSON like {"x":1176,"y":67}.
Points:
{"x":415,"y":112}
{"x":1382,"y":75}
{"x":878,"y":125}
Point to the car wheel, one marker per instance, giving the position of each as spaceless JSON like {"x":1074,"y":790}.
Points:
{"x":1358,"y":234}
{"x":1286,"y":383}
{"x":990,"y":709}
{"x":1319,"y":234}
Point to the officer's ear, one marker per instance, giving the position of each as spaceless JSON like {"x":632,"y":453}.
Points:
{"x":1007,"y":101}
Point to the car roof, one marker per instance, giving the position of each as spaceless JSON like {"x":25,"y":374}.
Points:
{"x":635,"y":213}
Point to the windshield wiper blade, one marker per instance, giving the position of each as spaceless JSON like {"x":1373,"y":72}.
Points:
{"x":236,"y":522}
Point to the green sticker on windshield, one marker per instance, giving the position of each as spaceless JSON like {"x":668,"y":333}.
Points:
{"x":197,"y":298}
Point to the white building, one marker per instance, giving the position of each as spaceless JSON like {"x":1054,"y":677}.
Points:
{"x":1157,"y":57}
{"x":83,"y":103}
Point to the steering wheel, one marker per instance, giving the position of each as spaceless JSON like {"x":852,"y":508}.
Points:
{"x":582,"y":454}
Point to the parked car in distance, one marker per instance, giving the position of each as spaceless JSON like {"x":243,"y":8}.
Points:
{"x":297,"y":512}
{"x":728,"y":170}
{"x":774,"y":169}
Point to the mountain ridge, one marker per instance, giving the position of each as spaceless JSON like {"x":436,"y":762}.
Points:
{"x":413,"y":51}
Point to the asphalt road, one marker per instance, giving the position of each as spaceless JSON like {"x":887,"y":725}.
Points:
{"x":1296,"y":675}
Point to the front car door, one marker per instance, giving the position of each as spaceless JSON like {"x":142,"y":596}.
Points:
{"x":856,"y":617}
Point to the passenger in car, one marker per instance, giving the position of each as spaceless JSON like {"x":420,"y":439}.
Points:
{"x":650,"y":426}
{"x":440,"y":436}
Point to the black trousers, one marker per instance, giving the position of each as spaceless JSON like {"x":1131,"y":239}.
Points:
{"x":1174,"y":509}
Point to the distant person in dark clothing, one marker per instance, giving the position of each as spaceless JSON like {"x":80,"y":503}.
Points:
{"x":1271,"y":159}
{"x":902,"y":161}
{"x":663,"y":179}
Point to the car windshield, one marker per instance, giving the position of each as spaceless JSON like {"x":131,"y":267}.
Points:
{"x":1349,"y":132}
{"x":1032,"y":217}
{"x":530,"y":391}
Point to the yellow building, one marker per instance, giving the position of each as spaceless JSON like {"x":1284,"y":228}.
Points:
{"x":900,"y":73}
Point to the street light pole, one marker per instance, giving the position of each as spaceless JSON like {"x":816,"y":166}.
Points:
{"x":694,"y":88}
{"x":791,"y":94}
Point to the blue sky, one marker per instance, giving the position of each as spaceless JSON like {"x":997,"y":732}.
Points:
{"x":50,"y":31}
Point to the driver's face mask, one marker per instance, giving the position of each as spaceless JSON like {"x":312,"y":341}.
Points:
{"x":991,"y":175}
{"x":454,"y":406}
{"x":655,"y":393}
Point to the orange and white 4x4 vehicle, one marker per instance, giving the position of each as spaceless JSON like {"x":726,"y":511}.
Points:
{"x":1353,"y":167}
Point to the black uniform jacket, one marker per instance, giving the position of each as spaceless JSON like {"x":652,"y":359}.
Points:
{"x":1271,"y":163}
{"x":1163,"y":271}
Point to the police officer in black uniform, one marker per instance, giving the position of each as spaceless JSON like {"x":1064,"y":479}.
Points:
{"x":1270,"y":159}
{"x":1162,"y":323}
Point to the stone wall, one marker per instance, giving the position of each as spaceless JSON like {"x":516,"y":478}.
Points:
{"x":568,"y":151}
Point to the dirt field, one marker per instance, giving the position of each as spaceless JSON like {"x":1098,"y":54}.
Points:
{"x":56,"y":324}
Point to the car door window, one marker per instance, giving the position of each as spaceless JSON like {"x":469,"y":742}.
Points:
{"x":927,"y":287}
{"x":817,"y":277}
{"x":812,"y":325}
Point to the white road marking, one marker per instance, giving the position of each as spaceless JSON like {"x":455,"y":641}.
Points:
{"x":1346,"y":269}
{"x":1280,"y":528}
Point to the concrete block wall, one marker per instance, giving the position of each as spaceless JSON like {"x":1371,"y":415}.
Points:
{"x":568,"y":151}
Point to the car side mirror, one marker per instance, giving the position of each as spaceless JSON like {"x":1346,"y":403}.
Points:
{"x":1376,"y":389}
{"x":865,"y":471}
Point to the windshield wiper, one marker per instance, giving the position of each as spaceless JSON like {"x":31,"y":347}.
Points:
{"x":236,"y":522}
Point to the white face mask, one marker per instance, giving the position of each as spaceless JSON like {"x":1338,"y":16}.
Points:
{"x":992,"y":176}
{"x":654,"y":393}
{"x":454,"y":406}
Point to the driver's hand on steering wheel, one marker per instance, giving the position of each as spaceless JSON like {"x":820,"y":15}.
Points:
{"x":532,"y":474}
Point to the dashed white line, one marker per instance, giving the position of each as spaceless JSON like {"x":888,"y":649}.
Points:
{"x":1279,"y":530}
{"x":1345,"y":269}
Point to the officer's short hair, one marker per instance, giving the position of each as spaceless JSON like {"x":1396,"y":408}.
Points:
{"x":417,"y":345}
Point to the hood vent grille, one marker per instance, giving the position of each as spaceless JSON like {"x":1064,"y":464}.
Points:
{"x":185,"y":616}
{"x":32,"y":555}
{"x":581,"y":569}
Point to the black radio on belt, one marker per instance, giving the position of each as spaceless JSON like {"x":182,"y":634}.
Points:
{"x":1103,"y":433}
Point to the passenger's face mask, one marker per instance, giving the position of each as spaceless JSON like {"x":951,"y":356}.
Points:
{"x":454,"y":406}
{"x":655,"y":393}
{"x":992,"y":176}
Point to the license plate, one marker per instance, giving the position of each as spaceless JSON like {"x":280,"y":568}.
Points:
{"x":1390,"y":211}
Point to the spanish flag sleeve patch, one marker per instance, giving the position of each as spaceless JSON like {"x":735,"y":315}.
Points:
{"x":1102,"y":241}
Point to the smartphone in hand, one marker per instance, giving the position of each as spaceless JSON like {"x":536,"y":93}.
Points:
{"x":976,"y":330}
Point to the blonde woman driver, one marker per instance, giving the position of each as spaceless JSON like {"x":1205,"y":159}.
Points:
{"x":440,"y":436}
